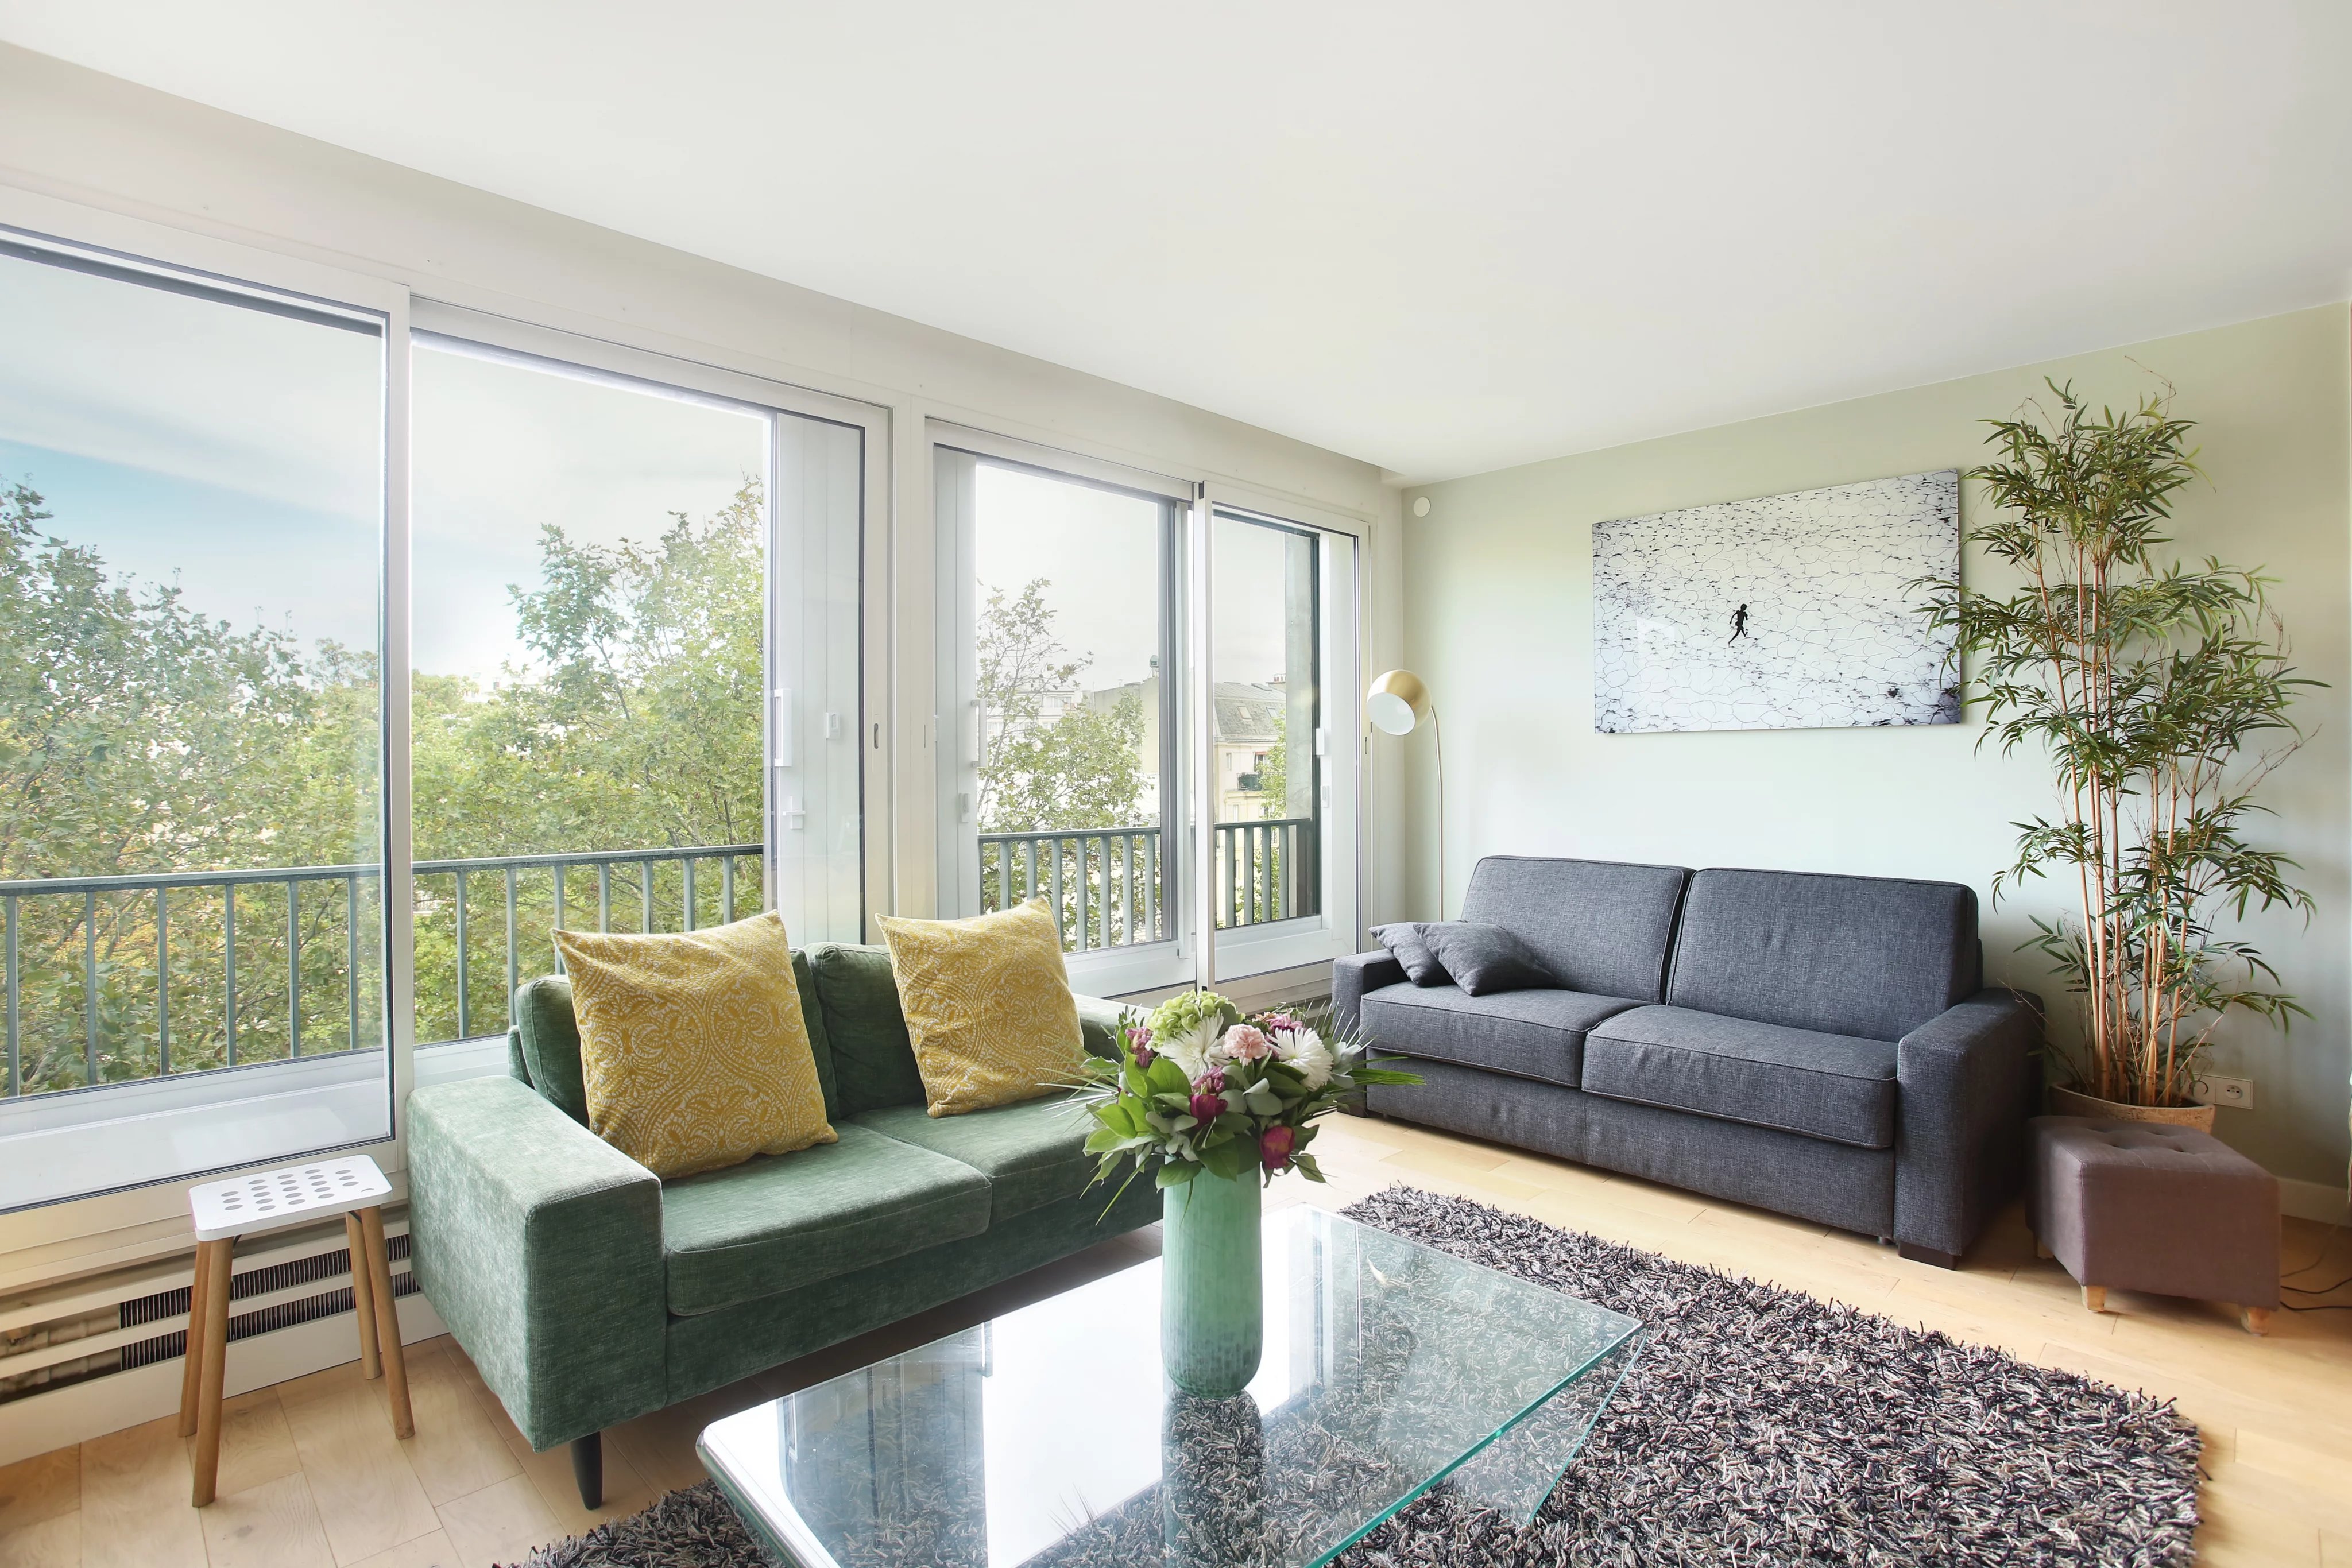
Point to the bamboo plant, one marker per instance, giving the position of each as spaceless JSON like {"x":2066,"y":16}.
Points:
{"x":2160,"y":693}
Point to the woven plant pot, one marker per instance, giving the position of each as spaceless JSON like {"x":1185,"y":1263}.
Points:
{"x":2072,"y":1103}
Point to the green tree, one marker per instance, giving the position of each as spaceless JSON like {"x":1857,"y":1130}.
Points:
{"x":1274,"y":772}
{"x":1083,"y":768}
{"x":138,"y":736}
{"x":635,"y":725}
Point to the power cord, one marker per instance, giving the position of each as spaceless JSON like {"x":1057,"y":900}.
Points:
{"x":2326,"y":1248}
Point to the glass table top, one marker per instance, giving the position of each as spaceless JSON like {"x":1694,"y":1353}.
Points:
{"x":1049,"y":1436}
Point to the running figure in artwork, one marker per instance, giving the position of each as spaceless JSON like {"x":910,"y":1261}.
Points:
{"x":1738,"y":624}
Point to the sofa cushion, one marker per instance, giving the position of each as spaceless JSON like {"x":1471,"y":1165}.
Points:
{"x":873,"y":1059}
{"x":693,"y":1044}
{"x":1600,"y":926}
{"x":778,"y":1222}
{"x":1408,"y":943}
{"x":545,"y":1039}
{"x":1864,"y":956}
{"x":548,"y":1033}
{"x":1830,"y":1086}
{"x":1485,"y":959}
{"x":987,"y":1005}
{"x":1031,"y":1153}
{"x":1529,"y":1034}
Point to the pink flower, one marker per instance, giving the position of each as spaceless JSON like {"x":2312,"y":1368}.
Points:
{"x":1212,"y":1082}
{"x":1139,"y":1045}
{"x":1244,"y":1042}
{"x":1277,"y":1021}
{"x":1207,"y":1108}
{"x":1275,"y":1145}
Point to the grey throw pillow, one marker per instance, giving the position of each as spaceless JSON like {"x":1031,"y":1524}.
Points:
{"x":1483,"y":959}
{"x":1408,"y":947}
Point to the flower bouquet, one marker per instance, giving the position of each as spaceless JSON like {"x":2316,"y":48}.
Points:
{"x":1199,"y":1087}
{"x":1215,"y":1106}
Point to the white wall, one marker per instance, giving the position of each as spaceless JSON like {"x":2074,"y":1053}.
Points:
{"x":1498,"y":617}
{"x":76,"y":135}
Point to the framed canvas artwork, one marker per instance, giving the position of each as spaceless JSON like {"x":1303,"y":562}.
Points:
{"x":1792,"y":612}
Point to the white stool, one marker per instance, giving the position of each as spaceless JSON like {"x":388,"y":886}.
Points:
{"x":350,"y":1186}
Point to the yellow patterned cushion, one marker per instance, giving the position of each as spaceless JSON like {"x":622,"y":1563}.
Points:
{"x":693,"y":1046}
{"x":987,"y":1005}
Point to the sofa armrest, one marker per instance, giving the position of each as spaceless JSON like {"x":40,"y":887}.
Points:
{"x":1098,"y":1024}
{"x":1967,"y":1079}
{"x":1353,"y":975}
{"x":541,"y":1246}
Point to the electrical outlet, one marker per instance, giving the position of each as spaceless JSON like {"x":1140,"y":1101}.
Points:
{"x":2212,"y":1089}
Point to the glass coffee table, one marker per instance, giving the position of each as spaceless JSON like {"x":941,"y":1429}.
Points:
{"x":1048,"y":1436}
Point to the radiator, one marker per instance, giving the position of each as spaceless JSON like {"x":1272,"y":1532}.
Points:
{"x":83,"y":1329}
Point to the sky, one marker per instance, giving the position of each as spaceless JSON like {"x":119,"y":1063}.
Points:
{"x":501,"y":449}
{"x":1252,"y":602}
{"x":1099,"y":553}
{"x":235,"y":451}
{"x":238,"y":454}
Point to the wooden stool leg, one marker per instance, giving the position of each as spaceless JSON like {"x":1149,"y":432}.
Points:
{"x":193,"y":1357}
{"x":2095,"y":1298}
{"x":218,"y":1278}
{"x":362,"y":1296}
{"x":2042,"y":1248}
{"x":2257,"y":1320}
{"x":387,"y":1324}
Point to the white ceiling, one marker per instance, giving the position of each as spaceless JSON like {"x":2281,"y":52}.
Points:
{"x":1441,"y":237}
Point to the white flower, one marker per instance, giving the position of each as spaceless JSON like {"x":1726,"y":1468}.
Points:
{"x":1189,"y":1050}
{"x":1304,"y":1049}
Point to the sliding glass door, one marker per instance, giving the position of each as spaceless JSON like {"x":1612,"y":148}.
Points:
{"x":349,"y":650}
{"x":1267,"y":722}
{"x":1060,"y":735}
{"x":637,"y":652}
{"x":242,"y":873}
{"x":1114,"y":647}
{"x":193,"y":514}
{"x":1277,"y":862}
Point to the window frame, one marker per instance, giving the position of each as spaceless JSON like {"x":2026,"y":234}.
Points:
{"x":897,"y":662}
{"x":555,"y":351}
{"x":1126,"y":970}
{"x":200,"y":1101}
{"x":133,"y":1207}
{"x":1253,"y":952}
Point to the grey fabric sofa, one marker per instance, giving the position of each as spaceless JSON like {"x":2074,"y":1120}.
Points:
{"x":1822,"y":1046}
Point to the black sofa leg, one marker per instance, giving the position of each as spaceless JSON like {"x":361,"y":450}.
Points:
{"x":588,"y":1468}
{"x":1927,"y":1255}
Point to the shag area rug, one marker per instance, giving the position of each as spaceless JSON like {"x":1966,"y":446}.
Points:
{"x":1761,"y":1426}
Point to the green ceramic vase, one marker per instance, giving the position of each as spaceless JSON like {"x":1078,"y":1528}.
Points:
{"x":1212,"y":1310}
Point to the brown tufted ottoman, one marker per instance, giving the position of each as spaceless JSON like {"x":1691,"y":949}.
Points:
{"x":2138,"y":1205}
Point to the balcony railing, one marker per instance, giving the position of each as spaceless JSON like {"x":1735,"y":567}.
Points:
{"x":1105,"y":885}
{"x":114,"y":979}
{"x":1266,"y":870}
{"x":111,"y":979}
{"x":1108,"y":886}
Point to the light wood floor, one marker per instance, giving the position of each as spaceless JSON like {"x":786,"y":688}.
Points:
{"x":311,"y":1476}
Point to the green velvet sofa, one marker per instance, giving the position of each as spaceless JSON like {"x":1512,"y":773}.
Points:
{"x":588,"y":1291}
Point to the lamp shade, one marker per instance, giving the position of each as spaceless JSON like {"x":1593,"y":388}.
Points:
{"x":1397,"y":701}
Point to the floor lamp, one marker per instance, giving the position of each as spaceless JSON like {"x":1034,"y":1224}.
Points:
{"x":1396,"y":705}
